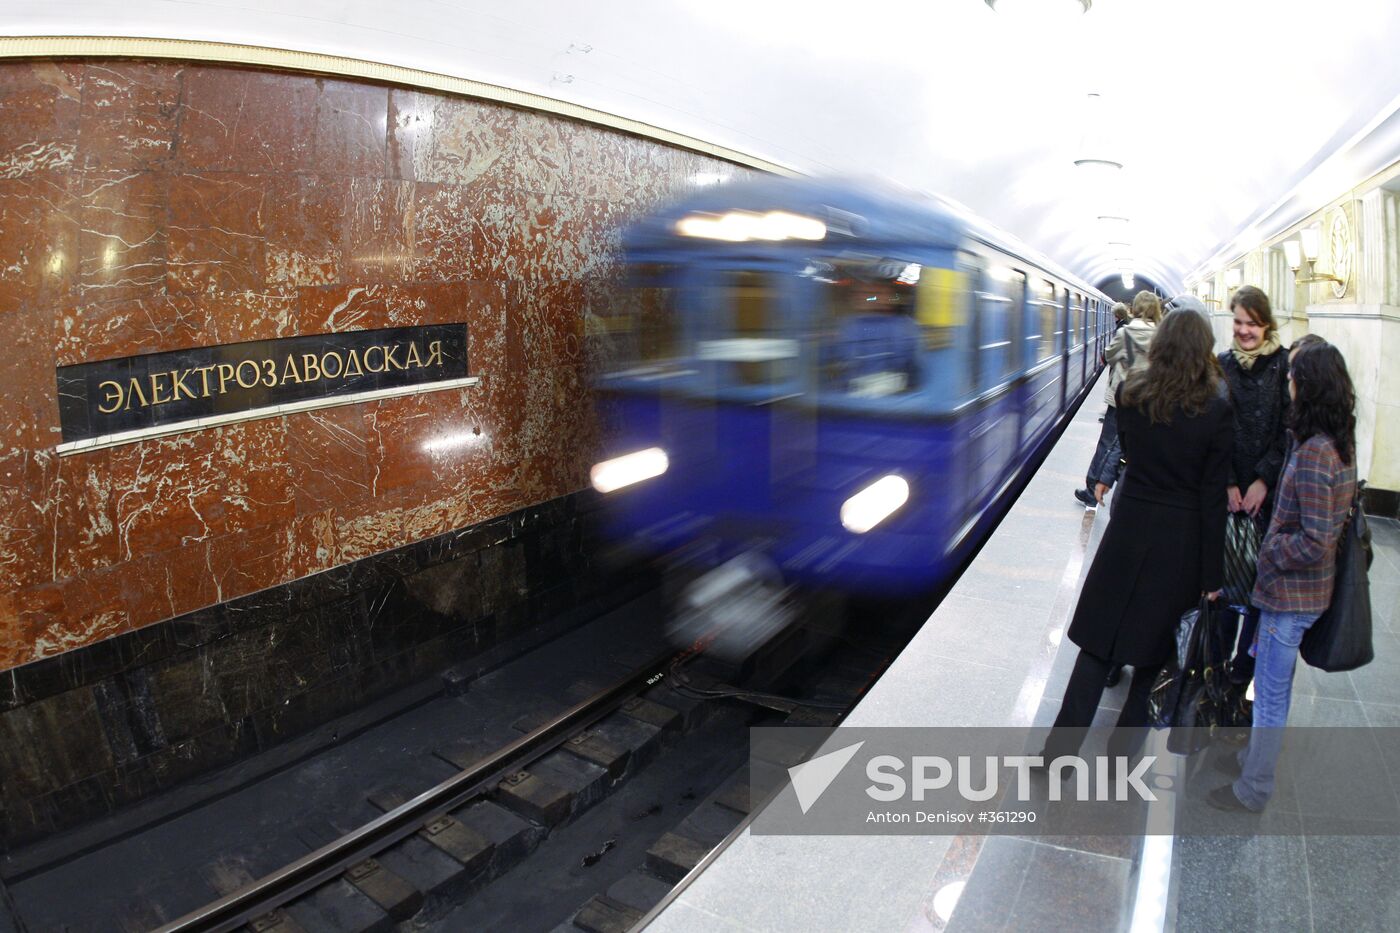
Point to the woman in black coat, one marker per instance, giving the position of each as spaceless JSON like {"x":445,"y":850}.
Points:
{"x":1165,"y":542}
{"x":1256,"y":371}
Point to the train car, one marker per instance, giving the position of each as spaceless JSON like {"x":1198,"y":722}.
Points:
{"x":841,"y":379}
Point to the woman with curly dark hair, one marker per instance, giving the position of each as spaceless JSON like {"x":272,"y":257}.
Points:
{"x":1297,"y":559}
{"x":1164,"y":544}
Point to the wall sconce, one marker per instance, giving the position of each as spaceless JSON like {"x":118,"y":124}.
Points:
{"x":1233,"y":278}
{"x":1203,"y":293}
{"x":1302,"y":257}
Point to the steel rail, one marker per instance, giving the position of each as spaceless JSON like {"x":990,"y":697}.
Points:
{"x":326,"y":863}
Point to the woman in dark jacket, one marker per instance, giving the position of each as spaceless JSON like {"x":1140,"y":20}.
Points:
{"x":1297,"y":561}
{"x":1165,"y":541}
{"x":1255,"y":369}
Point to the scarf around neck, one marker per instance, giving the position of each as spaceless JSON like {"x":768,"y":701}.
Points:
{"x":1247,"y":358}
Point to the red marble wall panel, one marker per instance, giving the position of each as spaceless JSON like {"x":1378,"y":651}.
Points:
{"x":236,"y":120}
{"x":41,"y":103}
{"x":38,"y":250}
{"x":216,"y":233}
{"x":150,"y":206}
{"x":121,"y":240}
{"x":129,"y":112}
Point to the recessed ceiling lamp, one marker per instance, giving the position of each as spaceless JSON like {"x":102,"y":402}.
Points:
{"x":1095,"y":144}
{"x":1040,"y":6}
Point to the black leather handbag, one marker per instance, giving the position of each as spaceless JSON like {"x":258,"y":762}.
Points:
{"x":1340,"y":639}
{"x":1193,"y":695}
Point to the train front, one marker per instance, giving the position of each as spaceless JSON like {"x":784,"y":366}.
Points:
{"x":778,"y":389}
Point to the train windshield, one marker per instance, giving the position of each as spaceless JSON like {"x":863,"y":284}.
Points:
{"x":746,"y":336}
{"x":869,"y":339}
{"x":639,"y":333}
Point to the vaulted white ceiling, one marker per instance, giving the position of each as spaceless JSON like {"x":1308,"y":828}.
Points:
{"x":1220,"y":111}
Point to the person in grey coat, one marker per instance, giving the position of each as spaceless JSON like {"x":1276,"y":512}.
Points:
{"x":1126,"y":353}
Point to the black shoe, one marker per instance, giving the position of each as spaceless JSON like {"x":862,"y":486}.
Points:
{"x":1228,"y":765}
{"x":1086,"y":498}
{"x":1115,"y":674}
{"x":1223,"y":798}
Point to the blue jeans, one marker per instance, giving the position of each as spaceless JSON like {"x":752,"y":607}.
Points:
{"x":1280,"y":633}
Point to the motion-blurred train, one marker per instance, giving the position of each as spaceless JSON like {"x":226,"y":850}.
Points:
{"x":838,"y":381}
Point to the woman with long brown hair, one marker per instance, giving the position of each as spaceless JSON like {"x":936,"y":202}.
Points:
{"x":1165,"y":541}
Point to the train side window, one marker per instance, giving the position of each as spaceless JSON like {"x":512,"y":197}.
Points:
{"x":869,"y":342}
{"x":1016,"y":357}
{"x":1043,"y":317}
{"x":999,"y":303}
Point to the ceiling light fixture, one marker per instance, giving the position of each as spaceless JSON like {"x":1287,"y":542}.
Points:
{"x":1040,"y":6}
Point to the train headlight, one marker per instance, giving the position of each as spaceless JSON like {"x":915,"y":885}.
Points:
{"x":742,"y":226}
{"x":628,"y":469}
{"x":874,"y":504}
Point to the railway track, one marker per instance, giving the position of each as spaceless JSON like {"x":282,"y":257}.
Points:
{"x":256,"y":904}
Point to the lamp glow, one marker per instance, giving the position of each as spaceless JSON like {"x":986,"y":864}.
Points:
{"x":1293,"y":250}
{"x":1233,"y":278}
{"x":1312,"y":242}
{"x":1128,"y":280}
{"x":874,"y":504}
{"x":629,"y":469}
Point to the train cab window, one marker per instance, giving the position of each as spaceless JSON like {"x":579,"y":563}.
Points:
{"x":640,"y":329}
{"x":746,"y":335}
{"x":869,"y":340}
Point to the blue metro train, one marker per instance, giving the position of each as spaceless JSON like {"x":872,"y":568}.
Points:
{"x":844,"y":380}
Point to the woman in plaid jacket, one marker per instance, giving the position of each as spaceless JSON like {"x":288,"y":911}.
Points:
{"x":1297,"y":559}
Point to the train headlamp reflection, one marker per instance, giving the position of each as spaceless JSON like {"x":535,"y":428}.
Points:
{"x":742,"y":226}
{"x":874,"y":504}
{"x":628,"y":469}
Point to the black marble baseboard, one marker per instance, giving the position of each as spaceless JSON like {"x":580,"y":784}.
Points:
{"x":103,"y":726}
{"x":1384,"y":503}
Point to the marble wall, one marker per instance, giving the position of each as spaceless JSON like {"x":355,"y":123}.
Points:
{"x":1363,"y":322}
{"x":174,"y":604}
{"x":149,"y":206}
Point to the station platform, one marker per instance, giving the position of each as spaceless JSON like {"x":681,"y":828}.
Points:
{"x":994,"y":654}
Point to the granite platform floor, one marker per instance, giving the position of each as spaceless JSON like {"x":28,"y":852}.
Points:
{"x":994,"y":654}
{"x":1307,"y":880}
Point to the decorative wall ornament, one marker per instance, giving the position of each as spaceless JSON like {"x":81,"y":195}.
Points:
{"x":1342,"y":250}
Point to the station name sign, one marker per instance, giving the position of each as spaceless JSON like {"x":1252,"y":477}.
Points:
{"x":155,"y":389}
